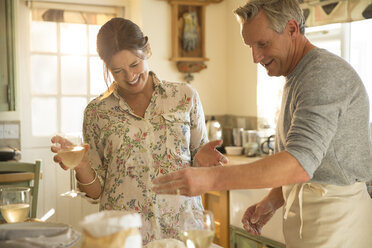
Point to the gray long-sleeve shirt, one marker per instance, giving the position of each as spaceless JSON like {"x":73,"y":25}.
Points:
{"x":324,"y":120}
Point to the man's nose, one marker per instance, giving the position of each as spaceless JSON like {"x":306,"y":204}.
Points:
{"x":257,"y":55}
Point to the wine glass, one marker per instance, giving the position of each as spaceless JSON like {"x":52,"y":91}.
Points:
{"x":71,"y":151}
{"x":15,"y":203}
{"x":197,"y":228}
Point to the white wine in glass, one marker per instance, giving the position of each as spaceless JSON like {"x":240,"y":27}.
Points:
{"x":71,"y":151}
{"x":197,"y":230}
{"x":72,"y":156}
{"x":15,"y":203}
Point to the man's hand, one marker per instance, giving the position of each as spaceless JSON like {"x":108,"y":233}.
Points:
{"x":209,"y":156}
{"x":257,"y":215}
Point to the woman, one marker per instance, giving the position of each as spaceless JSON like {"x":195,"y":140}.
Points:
{"x":141,"y":127}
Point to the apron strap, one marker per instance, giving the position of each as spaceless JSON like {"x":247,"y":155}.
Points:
{"x":316,"y":188}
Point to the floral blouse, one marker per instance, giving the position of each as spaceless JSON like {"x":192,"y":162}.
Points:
{"x":129,"y":151}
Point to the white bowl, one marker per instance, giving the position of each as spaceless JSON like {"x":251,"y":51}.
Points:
{"x":234,"y":150}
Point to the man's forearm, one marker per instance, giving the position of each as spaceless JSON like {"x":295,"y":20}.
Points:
{"x":270,"y":172}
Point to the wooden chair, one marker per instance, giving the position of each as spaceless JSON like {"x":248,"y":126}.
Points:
{"x":23,"y":175}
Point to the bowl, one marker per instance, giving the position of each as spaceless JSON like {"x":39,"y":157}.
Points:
{"x":234,"y":150}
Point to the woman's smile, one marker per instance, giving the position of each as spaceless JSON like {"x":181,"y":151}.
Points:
{"x":135,"y":81}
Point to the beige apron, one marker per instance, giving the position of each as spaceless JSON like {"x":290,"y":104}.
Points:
{"x":327,"y":216}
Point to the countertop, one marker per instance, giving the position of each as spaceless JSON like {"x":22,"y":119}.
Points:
{"x":235,"y":160}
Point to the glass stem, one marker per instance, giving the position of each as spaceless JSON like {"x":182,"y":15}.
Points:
{"x":72,"y":180}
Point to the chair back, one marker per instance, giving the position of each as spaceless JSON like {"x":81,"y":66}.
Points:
{"x":24,"y":175}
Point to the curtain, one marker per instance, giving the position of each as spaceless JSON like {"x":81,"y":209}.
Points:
{"x":321,"y":12}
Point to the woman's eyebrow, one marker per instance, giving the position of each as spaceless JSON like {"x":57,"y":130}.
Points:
{"x":119,"y":68}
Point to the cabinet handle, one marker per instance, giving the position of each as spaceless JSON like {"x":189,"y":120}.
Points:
{"x":215,"y":193}
{"x":8,"y":95}
{"x":217,"y":228}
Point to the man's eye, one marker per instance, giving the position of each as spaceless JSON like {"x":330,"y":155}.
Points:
{"x":134,"y":65}
{"x":117,"y":72}
{"x":261,"y":45}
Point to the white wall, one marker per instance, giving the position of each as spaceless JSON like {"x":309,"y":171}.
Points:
{"x":156,"y":23}
{"x":228,"y":85}
{"x":241,"y":83}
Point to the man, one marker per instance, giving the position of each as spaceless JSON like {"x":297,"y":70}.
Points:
{"x":323,"y":154}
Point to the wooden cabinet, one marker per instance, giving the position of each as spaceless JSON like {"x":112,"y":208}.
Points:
{"x":218,"y":203}
{"x":242,"y":239}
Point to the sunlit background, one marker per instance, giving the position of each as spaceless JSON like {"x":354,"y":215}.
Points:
{"x":352,"y":41}
{"x":66,"y":71}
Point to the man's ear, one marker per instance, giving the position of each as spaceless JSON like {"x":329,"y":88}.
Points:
{"x":293,"y":28}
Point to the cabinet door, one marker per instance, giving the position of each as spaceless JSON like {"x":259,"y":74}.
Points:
{"x":7,"y":56}
{"x":218,"y":203}
{"x":244,"y":242}
{"x":242,"y":239}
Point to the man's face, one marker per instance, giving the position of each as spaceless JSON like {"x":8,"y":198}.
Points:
{"x":272,"y":50}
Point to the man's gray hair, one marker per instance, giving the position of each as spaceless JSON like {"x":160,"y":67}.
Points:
{"x":279,"y":12}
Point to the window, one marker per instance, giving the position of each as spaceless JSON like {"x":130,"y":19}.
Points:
{"x":59,"y":72}
{"x":361,"y":53}
{"x":65,"y":71}
{"x":351,"y":41}
{"x":269,"y":95}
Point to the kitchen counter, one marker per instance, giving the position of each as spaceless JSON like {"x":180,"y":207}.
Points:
{"x":235,"y":160}
{"x":240,"y":200}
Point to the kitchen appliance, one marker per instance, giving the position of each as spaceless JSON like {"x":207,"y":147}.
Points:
{"x":214,"y":131}
{"x":9,"y":153}
{"x":267,"y":147}
{"x":237,"y":134}
{"x":250,"y":143}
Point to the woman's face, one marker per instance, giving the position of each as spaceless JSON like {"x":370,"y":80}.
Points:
{"x":129,"y":71}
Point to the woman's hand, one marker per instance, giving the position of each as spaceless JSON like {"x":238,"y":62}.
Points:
{"x":65,"y":142}
{"x":209,"y":156}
